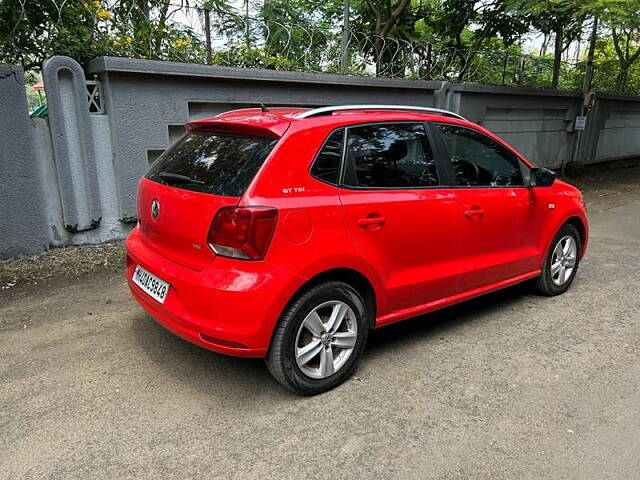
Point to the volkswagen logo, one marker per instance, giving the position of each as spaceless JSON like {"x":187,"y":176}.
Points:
{"x":155,"y":209}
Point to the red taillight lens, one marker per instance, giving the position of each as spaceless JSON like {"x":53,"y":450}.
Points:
{"x":242,"y":232}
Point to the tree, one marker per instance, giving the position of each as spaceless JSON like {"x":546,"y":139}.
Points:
{"x":385,"y":16}
{"x":621,"y":16}
{"x":467,"y":25}
{"x":561,"y":18}
{"x":31,"y":31}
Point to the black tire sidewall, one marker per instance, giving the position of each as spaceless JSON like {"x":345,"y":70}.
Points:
{"x":294,"y":317}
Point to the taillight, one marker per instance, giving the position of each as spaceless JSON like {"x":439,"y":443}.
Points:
{"x":242,"y":232}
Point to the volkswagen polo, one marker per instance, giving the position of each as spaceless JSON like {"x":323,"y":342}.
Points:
{"x":290,"y":233}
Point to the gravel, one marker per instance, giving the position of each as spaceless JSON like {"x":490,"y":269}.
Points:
{"x":66,"y":262}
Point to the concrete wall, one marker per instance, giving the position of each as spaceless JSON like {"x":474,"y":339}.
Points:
{"x":147,"y":99}
{"x":57,"y":177}
{"x":72,"y":178}
{"x":22,"y":221}
{"x":537,"y":124}
{"x":72,"y":140}
{"x":619,"y":124}
{"x":110,"y":227}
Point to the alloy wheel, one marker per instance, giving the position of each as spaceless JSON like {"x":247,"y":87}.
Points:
{"x":326,"y":339}
{"x":563,"y":260}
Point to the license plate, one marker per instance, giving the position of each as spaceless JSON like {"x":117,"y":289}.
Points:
{"x":152,"y":285}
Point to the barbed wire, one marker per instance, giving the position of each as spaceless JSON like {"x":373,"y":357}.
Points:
{"x":254,"y":41}
{"x":274,"y":44}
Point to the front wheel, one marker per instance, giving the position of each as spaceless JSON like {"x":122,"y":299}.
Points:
{"x":561,"y":263}
{"x":319,"y":339}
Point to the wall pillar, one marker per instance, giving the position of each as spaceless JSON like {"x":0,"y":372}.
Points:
{"x":74,"y":154}
{"x":22,"y":221}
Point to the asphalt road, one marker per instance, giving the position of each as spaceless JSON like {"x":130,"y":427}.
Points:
{"x":512,"y":385}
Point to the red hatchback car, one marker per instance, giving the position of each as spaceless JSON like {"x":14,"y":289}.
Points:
{"x":289,"y":233}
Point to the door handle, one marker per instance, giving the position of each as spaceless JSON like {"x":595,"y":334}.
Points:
{"x":365,"y":222}
{"x":474,"y":212}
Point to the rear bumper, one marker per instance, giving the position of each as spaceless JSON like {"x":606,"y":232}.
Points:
{"x":230,"y":307}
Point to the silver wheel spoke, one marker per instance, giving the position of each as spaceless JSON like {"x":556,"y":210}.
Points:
{"x":326,"y":362}
{"x":555,"y":268}
{"x":337,"y":316}
{"x":344,"y":340}
{"x":567,"y":246}
{"x":326,"y":339}
{"x":557,"y":252}
{"x":571,"y":262}
{"x":314,"y":324}
{"x":563,"y":271}
{"x":305,"y":354}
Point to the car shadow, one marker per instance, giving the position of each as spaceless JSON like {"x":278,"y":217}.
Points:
{"x":244,"y":381}
{"x":441,"y":321}
{"x":223,"y":376}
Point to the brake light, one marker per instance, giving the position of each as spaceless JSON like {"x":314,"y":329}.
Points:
{"x":242,"y":232}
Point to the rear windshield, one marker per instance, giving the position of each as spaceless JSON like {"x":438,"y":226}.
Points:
{"x":215,"y":163}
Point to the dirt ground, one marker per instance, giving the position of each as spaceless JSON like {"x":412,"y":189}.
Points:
{"x":604,"y":189}
{"x":511,"y":385}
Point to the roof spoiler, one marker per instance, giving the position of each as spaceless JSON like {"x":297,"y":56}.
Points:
{"x":263,"y":127}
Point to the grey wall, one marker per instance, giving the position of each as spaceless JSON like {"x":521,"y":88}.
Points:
{"x":22,"y":221}
{"x":72,"y":178}
{"x":57,"y":177}
{"x":619,"y":123}
{"x":72,"y":140}
{"x":145,"y":99}
{"x":537,"y":123}
{"x":110,"y":227}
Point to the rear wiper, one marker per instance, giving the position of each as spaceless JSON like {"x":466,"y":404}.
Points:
{"x":176,"y":177}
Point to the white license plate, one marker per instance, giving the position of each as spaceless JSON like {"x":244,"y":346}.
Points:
{"x":152,"y":285}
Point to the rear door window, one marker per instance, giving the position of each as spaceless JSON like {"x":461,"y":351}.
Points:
{"x":215,"y":163}
{"x":389,"y":156}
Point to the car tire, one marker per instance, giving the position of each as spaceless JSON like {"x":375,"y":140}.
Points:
{"x":298,"y":335}
{"x":549,"y":282}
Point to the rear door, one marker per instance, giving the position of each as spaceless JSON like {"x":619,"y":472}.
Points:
{"x":495,"y":209}
{"x":188,"y":184}
{"x":397,"y":213}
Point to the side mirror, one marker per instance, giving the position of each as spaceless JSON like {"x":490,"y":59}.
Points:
{"x":542,"y":177}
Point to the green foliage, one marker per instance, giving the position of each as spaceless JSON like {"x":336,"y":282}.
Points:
{"x":458,"y":40}
{"x":608,"y":68}
{"x":28,"y":35}
{"x":624,"y":22}
{"x":31,"y":31}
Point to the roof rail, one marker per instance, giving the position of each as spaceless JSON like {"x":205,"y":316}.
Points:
{"x":329,"y":110}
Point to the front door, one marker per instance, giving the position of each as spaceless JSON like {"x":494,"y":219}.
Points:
{"x":397,"y":213}
{"x":495,"y":209}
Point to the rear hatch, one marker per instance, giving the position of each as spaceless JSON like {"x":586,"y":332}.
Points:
{"x":207,"y":169}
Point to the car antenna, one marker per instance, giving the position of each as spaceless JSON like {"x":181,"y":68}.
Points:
{"x":264,"y":108}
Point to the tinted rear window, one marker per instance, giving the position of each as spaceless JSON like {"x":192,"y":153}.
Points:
{"x":219,"y":164}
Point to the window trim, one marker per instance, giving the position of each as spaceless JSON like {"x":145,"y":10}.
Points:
{"x":430,"y":142}
{"x":522,"y":163}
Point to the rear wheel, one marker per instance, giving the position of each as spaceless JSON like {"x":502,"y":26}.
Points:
{"x":319,"y":339}
{"x":561,"y":263}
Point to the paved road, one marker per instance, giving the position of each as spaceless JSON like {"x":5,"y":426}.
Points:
{"x":509,"y":386}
